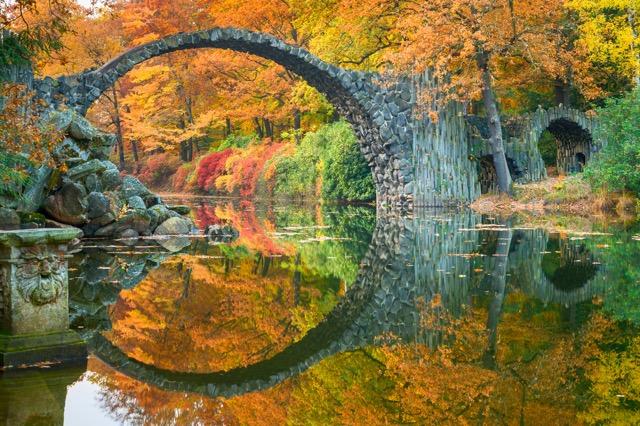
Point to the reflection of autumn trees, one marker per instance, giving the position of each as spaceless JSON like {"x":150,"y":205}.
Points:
{"x":196,"y":314}
{"x":544,"y":374}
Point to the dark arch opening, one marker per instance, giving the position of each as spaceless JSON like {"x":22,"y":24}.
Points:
{"x":566,"y":146}
{"x":487,"y":173}
{"x":566,"y":265}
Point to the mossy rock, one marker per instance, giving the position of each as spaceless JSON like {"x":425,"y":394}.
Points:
{"x":33,"y":217}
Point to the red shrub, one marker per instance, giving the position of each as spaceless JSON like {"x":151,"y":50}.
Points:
{"x":179,"y":182}
{"x":158,"y":169}
{"x":211,"y":167}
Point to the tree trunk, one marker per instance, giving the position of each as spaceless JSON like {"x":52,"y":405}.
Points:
{"x":498,"y":288}
{"x":186,"y":153}
{"x":134,"y":150}
{"x":258,"y":126}
{"x":268,"y":128}
{"x":495,"y":125}
{"x":228,"y":129}
{"x":562,"y":91}
{"x":297,"y":124}
{"x":118,"y":123}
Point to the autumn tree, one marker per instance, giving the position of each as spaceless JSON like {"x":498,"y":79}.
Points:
{"x":609,"y":34}
{"x":465,"y":42}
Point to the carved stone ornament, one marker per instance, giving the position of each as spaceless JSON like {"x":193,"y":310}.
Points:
{"x":40,"y":275}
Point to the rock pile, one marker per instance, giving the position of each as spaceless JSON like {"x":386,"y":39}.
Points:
{"x":91,"y":194}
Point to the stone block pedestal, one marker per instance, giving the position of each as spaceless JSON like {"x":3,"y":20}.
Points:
{"x":34,"y":299}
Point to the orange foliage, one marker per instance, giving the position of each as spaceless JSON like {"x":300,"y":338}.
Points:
{"x":181,"y":182}
{"x":255,"y":234}
{"x":221,"y":320}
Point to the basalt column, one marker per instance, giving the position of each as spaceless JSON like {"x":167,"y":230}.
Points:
{"x":34,"y":299}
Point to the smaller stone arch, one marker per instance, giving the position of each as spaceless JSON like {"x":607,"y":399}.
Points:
{"x":573,"y":131}
{"x":487,"y":173}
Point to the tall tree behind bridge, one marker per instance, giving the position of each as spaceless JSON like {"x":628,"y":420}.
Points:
{"x":467,"y":42}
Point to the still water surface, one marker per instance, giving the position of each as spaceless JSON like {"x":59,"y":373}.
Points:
{"x":323,"y":315}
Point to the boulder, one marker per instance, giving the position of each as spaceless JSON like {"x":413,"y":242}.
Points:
{"x":118,"y":206}
{"x":34,"y":194}
{"x":131,"y":186}
{"x":152,"y":200}
{"x":97,"y":205}
{"x":101,"y":146}
{"x":9,"y":219}
{"x":136,"y":202}
{"x":174,"y":244}
{"x":103,"y":220}
{"x":85,"y":169}
{"x":69,"y":149}
{"x":108,"y":165}
{"x":161,"y":213}
{"x":80,"y":128}
{"x":59,"y":119}
{"x":92,"y":183}
{"x":128,"y":234}
{"x":110,"y":179}
{"x":30,"y":220}
{"x":97,"y":223}
{"x":173,"y":226}
{"x":68,"y":205}
{"x":181,"y":210}
{"x":50,"y":223}
{"x":137,"y":220}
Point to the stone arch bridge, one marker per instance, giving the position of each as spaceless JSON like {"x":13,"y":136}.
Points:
{"x":379,"y":112}
{"x":415,"y":161}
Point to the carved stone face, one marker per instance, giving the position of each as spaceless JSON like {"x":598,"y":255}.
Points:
{"x":40,"y":275}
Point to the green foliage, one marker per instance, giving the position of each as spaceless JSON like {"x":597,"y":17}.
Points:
{"x":234,"y":141}
{"x":352,"y":226}
{"x":615,"y":167}
{"x":548,"y":148}
{"x":619,"y":253}
{"x":296,"y":175}
{"x":13,"y":176}
{"x":331,"y":154}
{"x":43,"y":37}
{"x":346,"y":175}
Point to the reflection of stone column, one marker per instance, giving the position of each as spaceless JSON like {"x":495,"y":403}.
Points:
{"x":36,"y":397}
{"x":34,"y":298}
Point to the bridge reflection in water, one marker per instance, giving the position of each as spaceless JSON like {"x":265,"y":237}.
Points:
{"x":410,"y":262}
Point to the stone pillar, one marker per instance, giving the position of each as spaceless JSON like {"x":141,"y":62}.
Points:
{"x":34,"y":298}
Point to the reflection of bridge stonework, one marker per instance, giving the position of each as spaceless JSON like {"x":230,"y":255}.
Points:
{"x":525,"y":267}
{"x":409,"y":261}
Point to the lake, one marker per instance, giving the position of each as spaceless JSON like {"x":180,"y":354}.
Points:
{"x":324,"y":314}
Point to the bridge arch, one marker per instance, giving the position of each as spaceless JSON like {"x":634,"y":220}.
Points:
{"x":379,"y":113}
{"x":573,"y":131}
